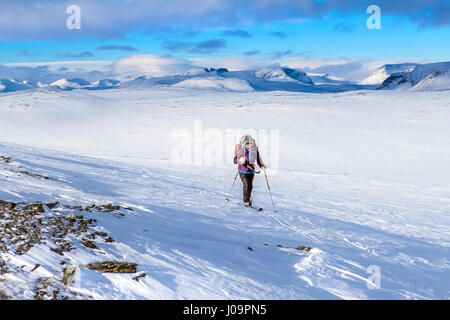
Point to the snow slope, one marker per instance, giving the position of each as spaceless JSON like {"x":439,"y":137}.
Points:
{"x":65,"y":84}
{"x":387,"y":70}
{"x":9,"y":85}
{"x":283,"y":74}
{"x":363,"y":180}
{"x":426,"y":77}
{"x":437,"y":81}
{"x":215,"y":83}
{"x":325,"y":78}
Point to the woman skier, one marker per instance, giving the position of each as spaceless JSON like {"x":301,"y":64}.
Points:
{"x":246,"y":154}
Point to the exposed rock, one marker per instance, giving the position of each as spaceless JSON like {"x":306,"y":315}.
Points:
{"x":5,"y":159}
{"x":114,"y":267}
{"x":139,"y":276}
{"x":69,"y":273}
{"x":35,"y":207}
{"x":34,"y":175}
{"x":304,"y":248}
{"x":4,"y":296}
{"x":89,"y":244}
{"x":50,"y":289}
{"x":51,"y":205}
{"x":35,"y":267}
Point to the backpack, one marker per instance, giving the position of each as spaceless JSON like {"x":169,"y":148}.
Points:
{"x":252,"y":150}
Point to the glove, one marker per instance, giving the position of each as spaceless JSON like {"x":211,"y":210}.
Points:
{"x":241,"y":160}
{"x":262,"y":166}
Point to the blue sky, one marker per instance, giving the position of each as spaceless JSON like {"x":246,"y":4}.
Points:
{"x":35,"y":31}
{"x":337,"y":36}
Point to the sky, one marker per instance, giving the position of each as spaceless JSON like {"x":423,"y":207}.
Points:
{"x":309,"y":34}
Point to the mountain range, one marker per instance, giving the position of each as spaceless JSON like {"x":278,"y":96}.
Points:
{"x":404,"y":76}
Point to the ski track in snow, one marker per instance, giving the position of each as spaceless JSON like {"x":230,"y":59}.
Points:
{"x":329,"y":194}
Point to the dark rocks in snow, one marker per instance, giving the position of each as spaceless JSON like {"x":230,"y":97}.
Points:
{"x":22,"y":225}
{"x":219,"y":70}
{"x":5,"y":159}
{"x":304,"y":248}
{"x":113,"y":267}
{"x":139,"y":276}
{"x":68,"y":274}
{"x":51,"y":289}
{"x":394,"y":81}
{"x":88,"y":244}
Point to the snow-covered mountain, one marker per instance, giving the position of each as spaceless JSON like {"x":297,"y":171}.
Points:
{"x":283,"y":74}
{"x":385,"y":71}
{"x":437,"y":81}
{"x":103,"y":84}
{"x":78,"y":83}
{"x":9,"y":85}
{"x":221,"y":79}
{"x":426,"y":77}
{"x":392,"y":76}
{"x":216,"y":83}
{"x":204,"y":71}
{"x":326,"y":78}
{"x":65,"y":84}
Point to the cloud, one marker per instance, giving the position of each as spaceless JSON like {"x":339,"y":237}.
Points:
{"x":279,"y":34}
{"x":27,"y":53}
{"x":68,"y":55}
{"x":46,"y":20}
{"x":206,"y":46}
{"x":236,"y":33}
{"x":150,"y":65}
{"x":117,"y":47}
{"x":344,"y":27}
{"x":252,"y":52}
{"x":209,"y":46}
{"x":177,"y":46}
{"x":280,"y":53}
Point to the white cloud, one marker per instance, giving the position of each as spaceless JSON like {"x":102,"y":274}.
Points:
{"x":151,"y":65}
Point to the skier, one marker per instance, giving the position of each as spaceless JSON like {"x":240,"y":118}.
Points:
{"x":246,"y":154}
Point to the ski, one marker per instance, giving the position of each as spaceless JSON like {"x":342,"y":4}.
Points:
{"x":256,"y":208}
{"x":241,"y":204}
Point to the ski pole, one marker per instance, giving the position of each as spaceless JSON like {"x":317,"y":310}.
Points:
{"x":232,"y":186}
{"x":270,"y":192}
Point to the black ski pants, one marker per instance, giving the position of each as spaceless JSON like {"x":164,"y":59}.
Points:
{"x":247,"y":183}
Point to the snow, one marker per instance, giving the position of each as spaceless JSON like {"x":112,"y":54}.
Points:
{"x":9,"y":85}
{"x":148,"y":71}
{"x":104,"y":84}
{"x":437,"y":81}
{"x":426,"y":77}
{"x":362,"y":178}
{"x":215,"y":83}
{"x":282,"y":74}
{"x":325,"y":78}
{"x":65,"y":84}
{"x":385,"y":71}
{"x":423,"y":71}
